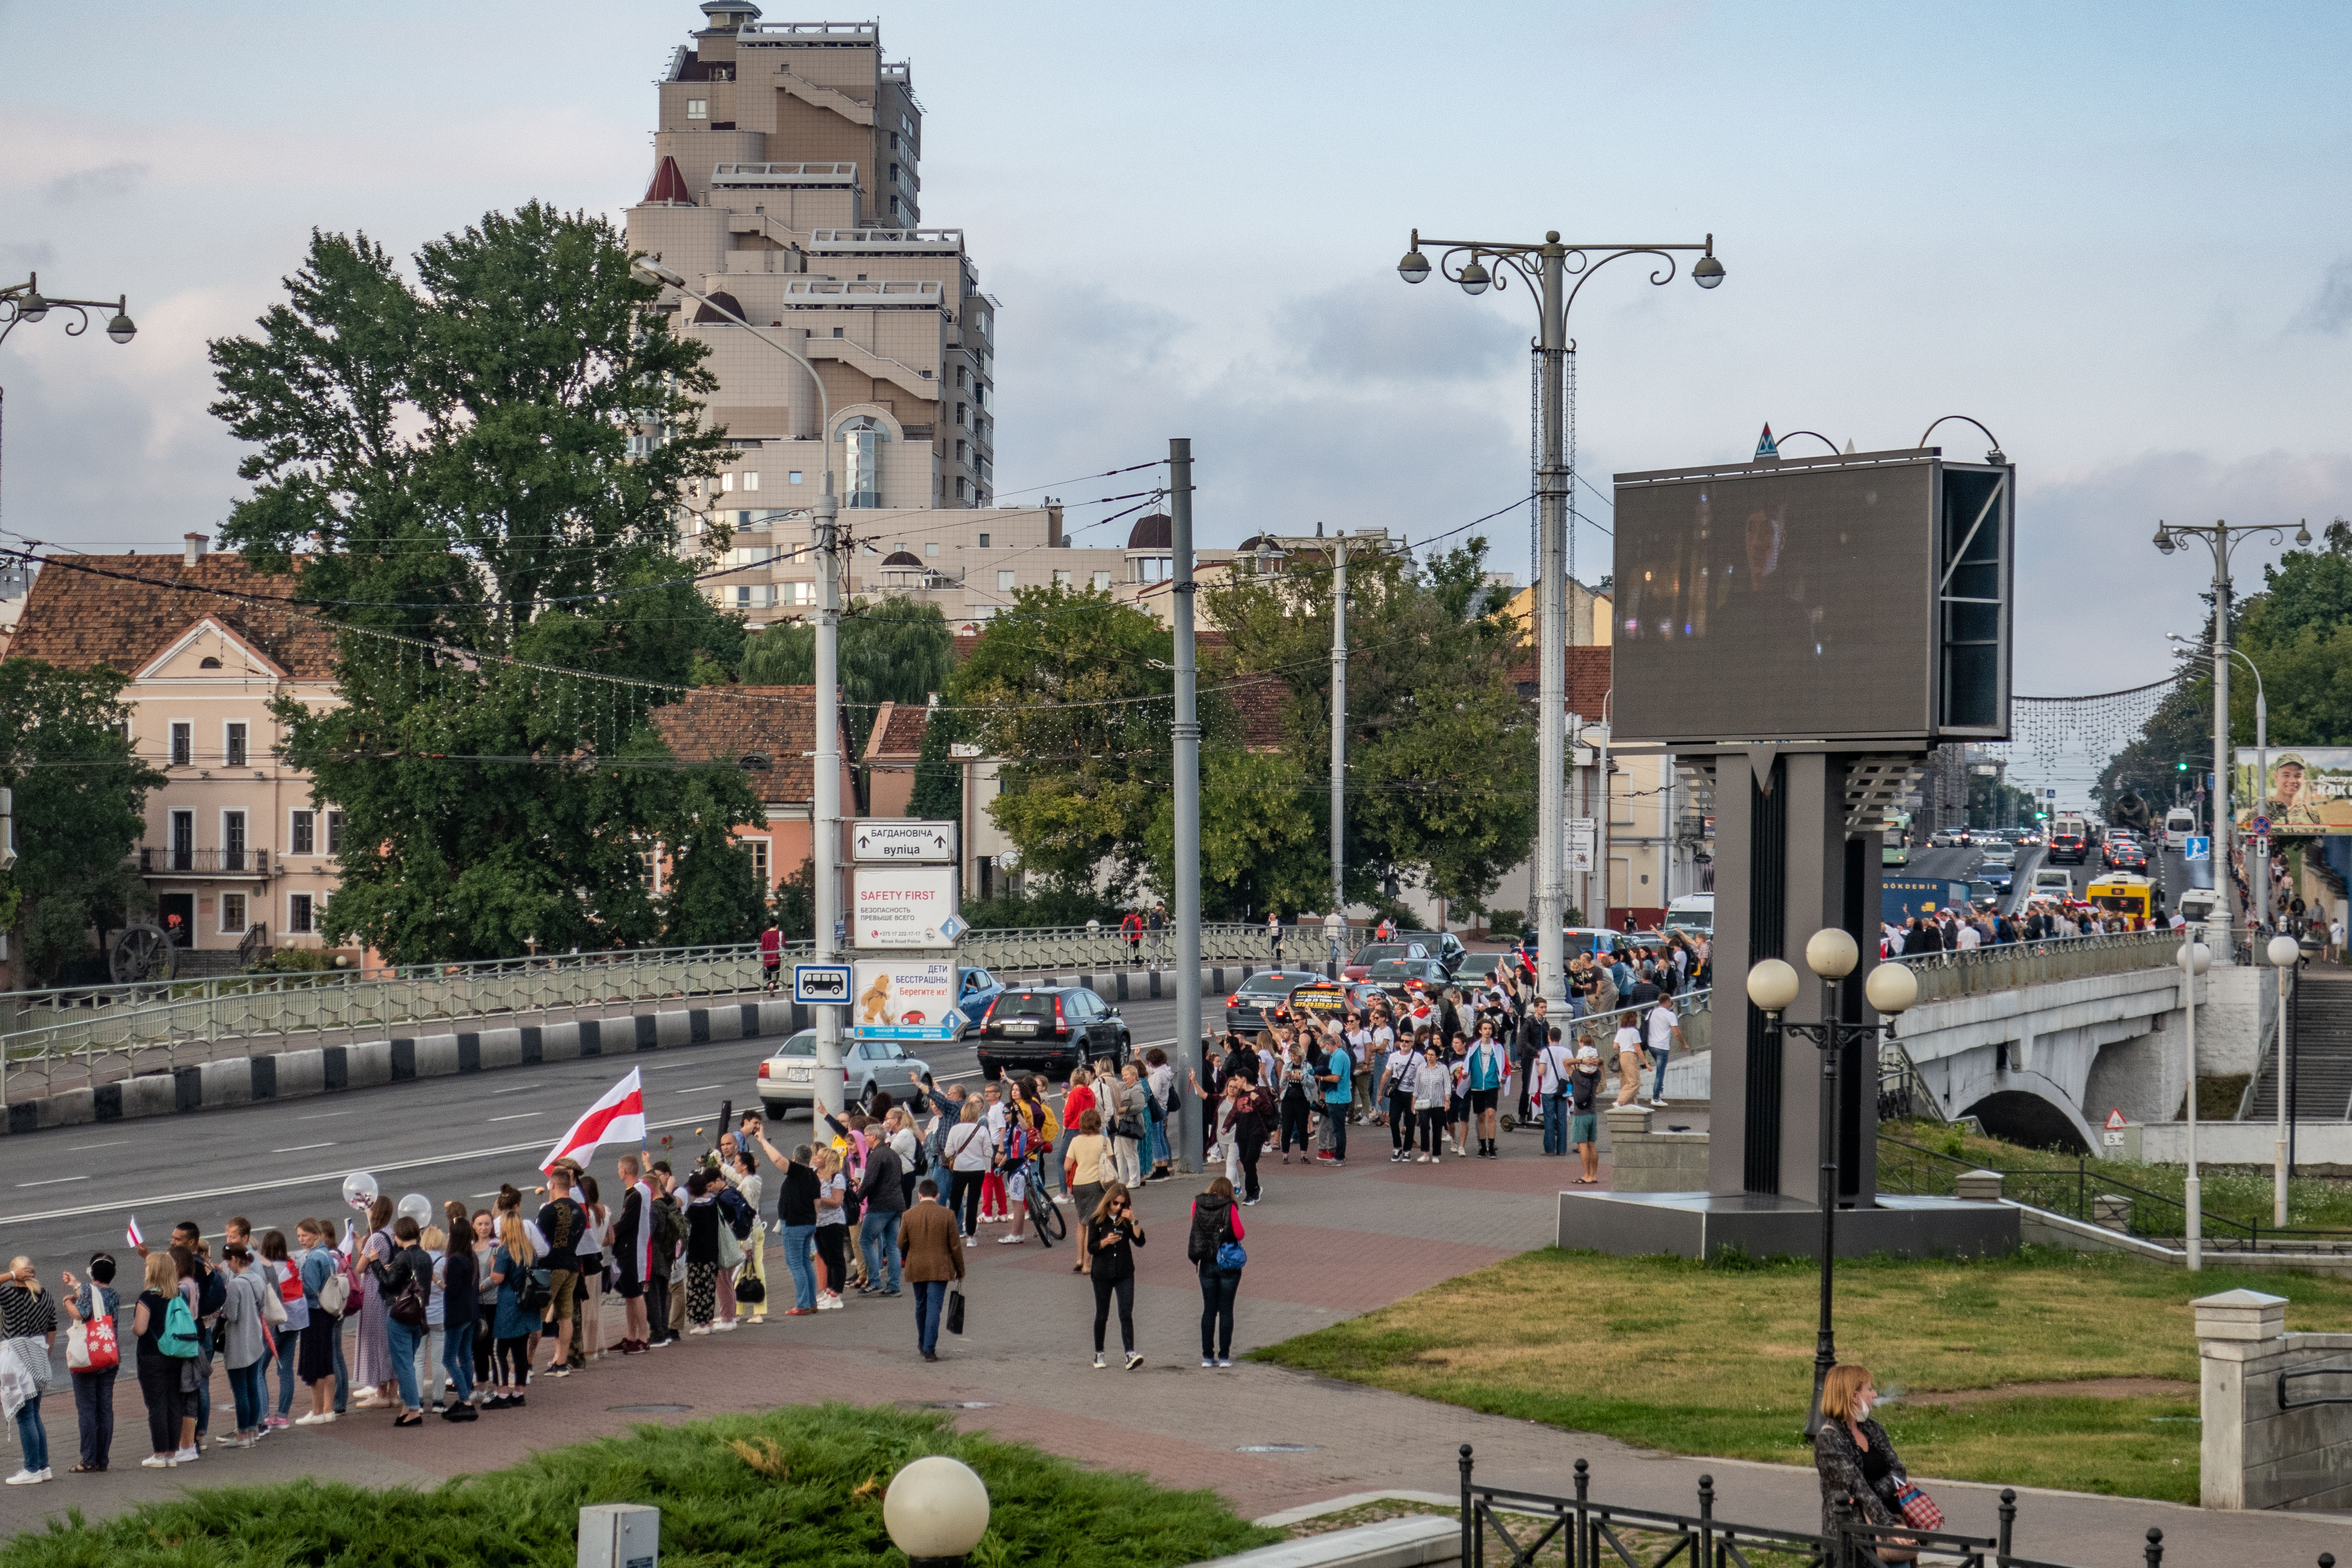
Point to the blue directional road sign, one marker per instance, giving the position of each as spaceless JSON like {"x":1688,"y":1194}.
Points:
{"x":2196,"y":847}
{"x":821,"y":985}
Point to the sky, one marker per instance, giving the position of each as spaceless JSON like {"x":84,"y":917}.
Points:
{"x":2120,"y":236}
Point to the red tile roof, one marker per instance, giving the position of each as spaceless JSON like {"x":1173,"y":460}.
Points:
{"x":728,"y":723}
{"x":122,"y":610}
{"x":1588,"y":680}
{"x":898,"y":730}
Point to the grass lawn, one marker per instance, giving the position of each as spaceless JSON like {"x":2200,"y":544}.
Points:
{"x":801,"y":1485}
{"x":1697,"y":1358}
{"x":2313,"y":1202}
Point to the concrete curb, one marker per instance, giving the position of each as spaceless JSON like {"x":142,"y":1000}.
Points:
{"x":1391,"y":1543}
{"x":327,"y":1069}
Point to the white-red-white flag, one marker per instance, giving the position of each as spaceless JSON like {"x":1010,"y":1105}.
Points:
{"x":130,"y":1232}
{"x":618,"y":1117}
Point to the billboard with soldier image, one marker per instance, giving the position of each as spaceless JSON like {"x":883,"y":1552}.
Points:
{"x":2310,"y":790}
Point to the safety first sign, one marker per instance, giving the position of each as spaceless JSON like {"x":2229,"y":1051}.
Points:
{"x":903,"y":907}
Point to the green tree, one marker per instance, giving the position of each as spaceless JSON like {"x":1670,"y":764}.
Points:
{"x":80,"y":793}
{"x":899,"y":650}
{"x":1073,"y":691}
{"x":1260,"y":847}
{"x":713,"y":895}
{"x":447,"y":465}
{"x":1441,"y":749}
{"x":795,"y":904}
{"x":938,"y":795}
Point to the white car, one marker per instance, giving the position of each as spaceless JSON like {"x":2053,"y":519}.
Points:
{"x":788,"y":1078}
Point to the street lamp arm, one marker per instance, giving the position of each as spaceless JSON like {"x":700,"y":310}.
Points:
{"x":26,"y":303}
{"x":1992,"y":456}
{"x":1581,"y":264}
{"x":823,"y":404}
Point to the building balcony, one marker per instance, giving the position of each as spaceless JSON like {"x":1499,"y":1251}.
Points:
{"x":167,"y":861}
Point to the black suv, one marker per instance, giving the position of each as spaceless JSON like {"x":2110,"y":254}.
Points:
{"x":1050,"y":1029}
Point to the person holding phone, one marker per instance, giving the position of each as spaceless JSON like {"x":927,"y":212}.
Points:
{"x":1113,"y":1234}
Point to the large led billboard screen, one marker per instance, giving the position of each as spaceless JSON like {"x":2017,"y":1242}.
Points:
{"x":1862,"y":598}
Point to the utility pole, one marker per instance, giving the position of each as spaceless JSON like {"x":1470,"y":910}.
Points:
{"x":1551,"y":633}
{"x":1187,"y":737}
{"x":831,"y":1092}
{"x":2224,"y":823}
{"x":1340,"y":727}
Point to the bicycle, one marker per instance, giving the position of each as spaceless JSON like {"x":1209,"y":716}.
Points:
{"x":1043,"y":1213}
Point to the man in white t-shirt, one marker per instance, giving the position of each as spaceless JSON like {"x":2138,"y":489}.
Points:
{"x":1970,"y":936}
{"x":1666,"y":1033}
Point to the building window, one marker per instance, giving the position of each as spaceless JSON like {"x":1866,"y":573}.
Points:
{"x":302,"y":834}
{"x":959,"y":488}
{"x":963,"y":451}
{"x":726,"y":481}
{"x":697,"y":108}
{"x":1060,"y":578}
{"x":793,"y":476}
{"x":1005,"y":580}
{"x":232,"y":914}
{"x":232,"y":841}
{"x":963,"y":377}
{"x":301,"y":921}
{"x":758,"y":849}
{"x":648,"y":863}
{"x":983,"y":542}
{"x":960,"y":414}
{"x":184,"y":841}
{"x":750,"y":482}
{"x":334,"y":833}
{"x":1102,"y":582}
{"x":863,"y":437}
{"x":233,"y":746}
{"x":799,"y":592}
{"x":183,"y":744}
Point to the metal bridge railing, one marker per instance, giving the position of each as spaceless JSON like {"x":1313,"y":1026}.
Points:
{"x":1943,"y":975}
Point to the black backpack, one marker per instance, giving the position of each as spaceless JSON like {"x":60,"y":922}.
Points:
{"x":212,"y":1290}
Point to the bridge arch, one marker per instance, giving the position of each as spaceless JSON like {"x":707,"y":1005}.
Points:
{"x":2023,"y":1107}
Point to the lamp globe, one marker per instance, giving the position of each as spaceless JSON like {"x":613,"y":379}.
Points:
{"x":1832,"y":953}
{"x":2194,"y":957}
{"x":936,"y":1509}
{"x":1892,"y":988}
{"x":1772,"y":984}
{"x":1707,"y":272}
{"x":2283,"y":951}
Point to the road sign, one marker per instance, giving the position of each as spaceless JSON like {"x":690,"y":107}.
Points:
{"x":952,"y":927}
{"x":902,"y":906}
{"x":1581,"y":834}
{"x":2262,"y":827}
{"x":821,"y":985}
{"x":904,"y":843}
{"x":2113,"y":1136}
{"x":2115,"y":1122}
{"x":907,"y":999}
{"x":2196,"y":846}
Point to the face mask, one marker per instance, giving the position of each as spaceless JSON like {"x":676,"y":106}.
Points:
{"x":1861,"y":1409}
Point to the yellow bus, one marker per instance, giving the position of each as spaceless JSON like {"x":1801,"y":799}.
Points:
{"x":2123,"y":894}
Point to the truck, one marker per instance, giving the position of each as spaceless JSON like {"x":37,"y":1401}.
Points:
{"x":1900,"y":897}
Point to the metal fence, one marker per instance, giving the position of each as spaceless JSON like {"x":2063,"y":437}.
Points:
{"x":1943,"y":975}
{"x":1695,"y":1008}
{"x":87,"y":1026}
{"x":1523,"y":1529}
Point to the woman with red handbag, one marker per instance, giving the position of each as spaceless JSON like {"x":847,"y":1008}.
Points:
{"x":90,"y":1306}
{"x":1858,"y":1464}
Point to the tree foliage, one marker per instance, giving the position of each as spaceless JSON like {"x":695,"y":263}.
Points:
{"x":449,"y":459}
{"x":1440,"y":751}
{"x":80,"y":793}
{"x":899,"y":649}
{"x":938,"y":795}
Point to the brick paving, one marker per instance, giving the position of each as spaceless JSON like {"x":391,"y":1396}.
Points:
{"x":1324,"y":1245}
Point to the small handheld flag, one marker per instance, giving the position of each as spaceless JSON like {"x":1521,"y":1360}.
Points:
{"x":618,"y":1117}
{"x":130,"y":1233}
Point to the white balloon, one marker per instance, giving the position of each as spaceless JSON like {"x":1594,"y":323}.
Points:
{"x":359,"y":1189}
{"x":417,"y":1206}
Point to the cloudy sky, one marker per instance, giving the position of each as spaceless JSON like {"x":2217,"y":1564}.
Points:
{"x":2121,"y":236}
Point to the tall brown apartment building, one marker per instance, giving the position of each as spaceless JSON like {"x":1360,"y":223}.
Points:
{"x":786,"y":184}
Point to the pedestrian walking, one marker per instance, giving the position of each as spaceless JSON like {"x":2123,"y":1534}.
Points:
{"x":930,"y":1249}
{"x":28,"y":1326}
{"x":1087,"y":1172}
{"x":1214,"y":1249}
{"x":772,"y":957}
{"x":1113,"y":1233}
{"x":90,"y":1305}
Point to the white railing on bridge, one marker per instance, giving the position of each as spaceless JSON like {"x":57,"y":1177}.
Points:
{"x":40,"y":1029}
{"x":2009,"y":965}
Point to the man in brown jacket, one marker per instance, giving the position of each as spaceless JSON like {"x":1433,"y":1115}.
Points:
{"x":933,"y":1255}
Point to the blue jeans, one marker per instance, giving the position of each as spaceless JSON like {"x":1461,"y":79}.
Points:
{"x":931,"y":1302}
{"x":457,"y":1358}
{"x":879,"y":1231}
{"x":1555,"y":1112}
{"x":245,"y":1388}
{"x":404,"y":1340}
{"x":1155,"y":1141}
{"x":288,"y":1344}
{"x":31,"y":1436}
{"x":797,"y":1238}
{"x":1660,"y":1091}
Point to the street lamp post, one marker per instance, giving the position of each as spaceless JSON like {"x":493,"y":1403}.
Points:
{"x":26,"y":303}
{"x":1547,"y":270}
{"x":2194,"y":958}
{"x":829,"y":1090}
{"x":2258,"y":867}
{"x":1772,"y":985}
{"x":2283,"y":951}
{"x":2221,"y":538}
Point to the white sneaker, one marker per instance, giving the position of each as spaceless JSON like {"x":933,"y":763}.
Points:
{"x":970,"y":1241}
{"x":728,"y":1327}
{"x":155,"y":1462}
{"x":1208,"y":1360}
{"x":1660,"y":1104}
{"x":1015,"y":1239}
{"x":1224,"y":1361}
{"x":698,"y":1332}
{"x":188,"y":1455}
{"x":1134,"y":1360}
{"x":29,"y":1478}
{"x":1099,"y":1361}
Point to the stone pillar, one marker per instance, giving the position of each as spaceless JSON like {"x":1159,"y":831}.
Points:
{"x":2239,"y":1337}
{"x":1978,"y":1186}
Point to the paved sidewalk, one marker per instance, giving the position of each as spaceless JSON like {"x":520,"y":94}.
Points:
{"x":1325,"y":1245}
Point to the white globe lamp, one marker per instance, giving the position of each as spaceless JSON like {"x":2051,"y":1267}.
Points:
{"x":936,"y":1511}
{"x":1772,"y":984}
{"x":1892,"y":989}
{"x":1832,"y":953}
{"x":2284,"y":951}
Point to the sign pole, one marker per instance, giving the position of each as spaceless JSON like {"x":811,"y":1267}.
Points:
{"x":1186,"y":740}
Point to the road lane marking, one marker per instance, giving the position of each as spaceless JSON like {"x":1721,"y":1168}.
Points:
{"x":53,"y":1182}
{"x":699,"y":1088}
{"x":154,"y":1200}
{"x":322,"y":1115}
{"x":519,"y":1116}
{"x":520,"y":1088}
{"x":78,"y":1148}
{"x":298,"y":1148}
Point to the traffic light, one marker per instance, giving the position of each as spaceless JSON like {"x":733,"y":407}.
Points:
{"x":2041,"y":817}
{"x":2180,"y":767}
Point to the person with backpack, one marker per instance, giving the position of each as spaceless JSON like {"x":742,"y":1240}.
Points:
{"x":1216,"y":1249}
{"x":244,"y":1342}
{"x":326,"y":1290}
{"x":167,"y":1351}
{"x":404,"y":1282}
{"x":519,"y":1304}
{"x":564,"y":1224}
{"x":90,"y":1306}
{"x":279,"y":1275}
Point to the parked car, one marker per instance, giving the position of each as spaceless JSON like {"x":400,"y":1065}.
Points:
{"x":1397,"y":976}
{"x":1478,"y":968}
{"x":1052,"y":1029}
{"x":1263,"y":999}
{"x":1360,"y":966}
{"x":1443,"y":946}
{"x":976,"y":991}
{"x":788,"y":1079}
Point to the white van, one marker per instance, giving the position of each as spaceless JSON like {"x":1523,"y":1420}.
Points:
{"x":2052,"y":880}
{"x":2196,"y":905}
{"x":2180,"y":823}
{"x":1692,"y":911}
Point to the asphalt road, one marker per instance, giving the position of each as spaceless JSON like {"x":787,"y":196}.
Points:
{"x":2165,"y":870}
{"x":67,"y":1192}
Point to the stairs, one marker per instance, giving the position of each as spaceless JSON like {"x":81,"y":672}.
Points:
{"x":2319,"y":1037}
{"x":203,"y":963}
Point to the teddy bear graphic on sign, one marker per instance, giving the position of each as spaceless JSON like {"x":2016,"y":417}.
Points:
{"x":875,"y":1003}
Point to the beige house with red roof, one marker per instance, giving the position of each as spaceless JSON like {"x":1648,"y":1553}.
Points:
{"x":768,"y":731}
{"x":237,"y":845}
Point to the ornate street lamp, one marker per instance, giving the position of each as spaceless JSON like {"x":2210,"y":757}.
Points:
{"x":1772,"y":985}
{"x":26,"y":303}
